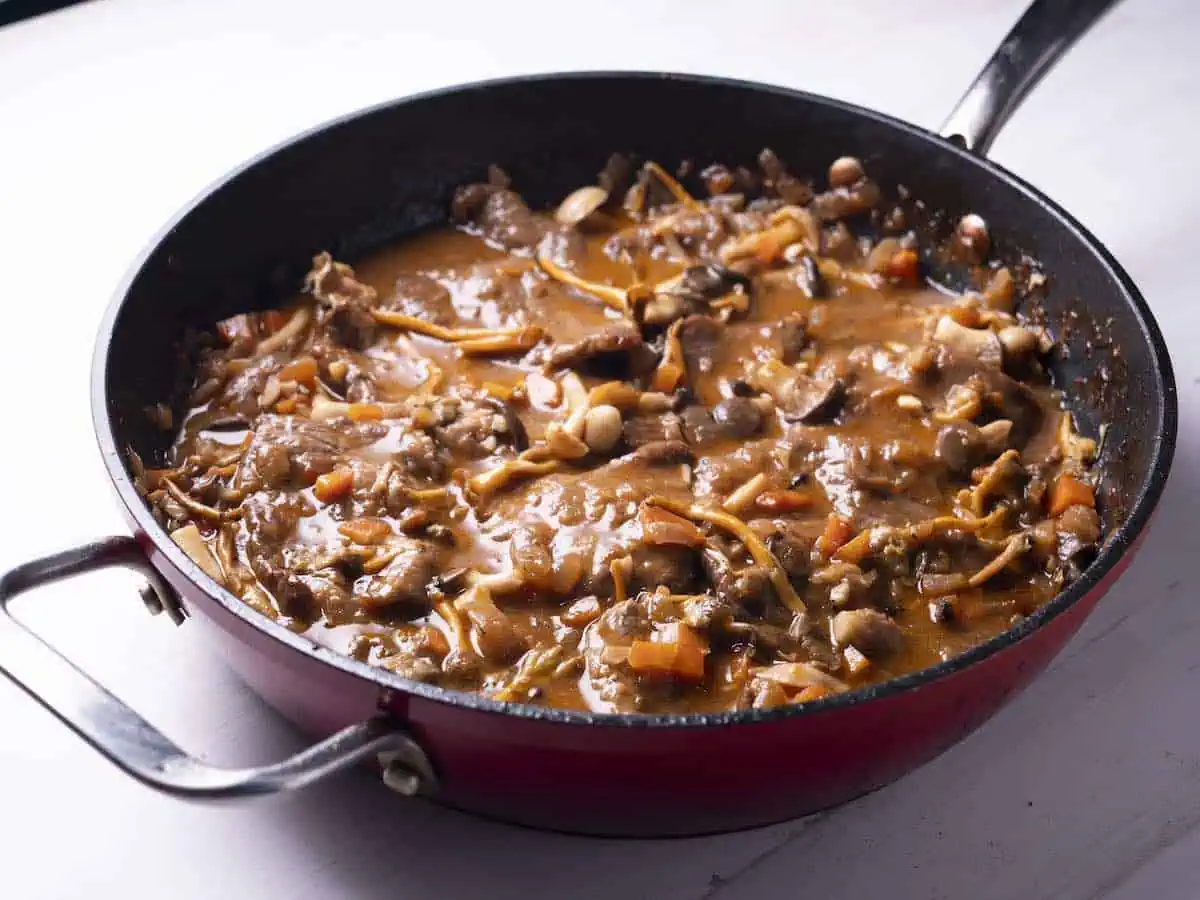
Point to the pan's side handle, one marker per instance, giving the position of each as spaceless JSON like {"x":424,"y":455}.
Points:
{"x":1039,"y":39}
{"x":141,"y":749}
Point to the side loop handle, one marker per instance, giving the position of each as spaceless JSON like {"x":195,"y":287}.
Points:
{"x":140,"y":749}
{"x":1046,"y":31}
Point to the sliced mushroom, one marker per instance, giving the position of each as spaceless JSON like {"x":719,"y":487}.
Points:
{"x":738,"y":417}
{"x":869,"y":630}
{"x":801,"y":398}
{"x":580,"y":204}
{"x":972,"y":344}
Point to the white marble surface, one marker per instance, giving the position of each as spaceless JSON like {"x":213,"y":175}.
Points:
{"x":115,"y":113}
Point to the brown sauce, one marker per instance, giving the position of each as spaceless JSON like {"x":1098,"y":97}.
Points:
{"x":748,"y":460}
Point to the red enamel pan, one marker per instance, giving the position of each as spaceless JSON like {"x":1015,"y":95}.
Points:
{"x":359,"y":182}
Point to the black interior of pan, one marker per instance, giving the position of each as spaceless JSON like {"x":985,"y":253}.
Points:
{"x":370,"y":179}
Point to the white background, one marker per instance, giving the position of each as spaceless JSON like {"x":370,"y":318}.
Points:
{"x":114,"y":114}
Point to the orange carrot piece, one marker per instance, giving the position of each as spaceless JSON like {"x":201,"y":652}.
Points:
{"x":365,"y":531}
{"x":837,"y":532}
{"x":655,"y":659}
{"x":302,"y":370}
{"x":679,"y":654}
{"x":904,"y":266}
{"x":287,"y":405}
{"x":365,"y":412}
{"x":1068,"y":492}
{"x":333,"y":486}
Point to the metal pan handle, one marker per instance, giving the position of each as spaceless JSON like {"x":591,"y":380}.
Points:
{"x":138,"y":747}
{"x":1046,"y":31}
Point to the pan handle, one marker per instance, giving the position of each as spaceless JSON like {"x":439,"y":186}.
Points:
{"x":1046,"y":31}
{"x":138,"y":747}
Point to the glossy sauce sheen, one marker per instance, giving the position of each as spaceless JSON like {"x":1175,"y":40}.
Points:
{"x":544,"y":544}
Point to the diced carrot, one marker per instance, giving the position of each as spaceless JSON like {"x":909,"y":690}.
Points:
{"x":302,"y":370}
{"x":364,"y":412}
{"x":659,"y":659}
{"x":434,"y":641}
{"x":661,"y":527}
{"x":272,"y":320}
{"x":904,"y":266}
{"x":855,"y":549}
{"x":287,"y":405}
{"x":333,"y":486}
{"x":1068,"y":492}
{"x":783,"y":501}
{"x":365,"y":531}
{"x":837,"y":532}
{"x":666,"y":378}
{"x":684,"y":635}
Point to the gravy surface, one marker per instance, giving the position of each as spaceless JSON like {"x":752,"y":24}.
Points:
{"x":644,"y":454}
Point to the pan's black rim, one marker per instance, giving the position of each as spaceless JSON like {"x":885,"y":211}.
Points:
{"x":1119,"y":544}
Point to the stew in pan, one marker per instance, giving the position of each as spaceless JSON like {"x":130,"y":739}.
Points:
{"x":645,"y":452}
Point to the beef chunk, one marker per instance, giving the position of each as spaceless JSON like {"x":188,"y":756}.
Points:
{"x":664,"y":452}
{"x":501,"y":216}
{"x":422,"y":298}
{"x":404,"y":580}
{"x":293,"y":449}
{"x":241,"y":392}
{"x":672,"y":567}
{"x":700,"y":337}
{"x":747,"y":588}
{"x":346,"y":302}
{"x":698,"y":426}
{"x":710,"y":282}
{"x":793,"y":337}
{"x":477,"y":431}
{"x":793,"y":548}
{"x":618,"y":338}
{"x":639,"y":431}
{"x":420,"y":455}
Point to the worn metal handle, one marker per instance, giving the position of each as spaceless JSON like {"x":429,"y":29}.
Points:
{"x":1041,"y":36}
{"x":137,"y":746}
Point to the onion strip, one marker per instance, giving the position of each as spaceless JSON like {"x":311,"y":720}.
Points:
{"x":292,"y":328}
{"x":441,"y":332}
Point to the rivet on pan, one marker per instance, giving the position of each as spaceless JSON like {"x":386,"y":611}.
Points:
{"x":159,"y":598}
{"x":150,"y":598}
{"x":401,"y":779}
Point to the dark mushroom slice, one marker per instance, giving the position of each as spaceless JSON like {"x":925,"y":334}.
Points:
{"x":738,"y":417}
